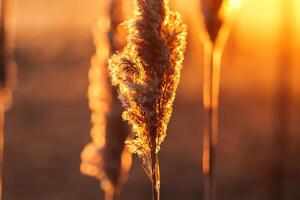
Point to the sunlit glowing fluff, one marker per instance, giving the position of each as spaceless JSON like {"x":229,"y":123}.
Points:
{"x":147,"y":73}
{"x":106,"y":158}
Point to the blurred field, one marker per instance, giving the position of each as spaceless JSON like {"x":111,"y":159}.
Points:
{"x":49,"y":123}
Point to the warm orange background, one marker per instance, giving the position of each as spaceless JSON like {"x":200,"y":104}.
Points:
{"x":49,"y":123}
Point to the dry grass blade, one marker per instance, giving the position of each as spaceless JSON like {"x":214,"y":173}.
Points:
{"x":106,"y":157}
{"x":147,"y":74}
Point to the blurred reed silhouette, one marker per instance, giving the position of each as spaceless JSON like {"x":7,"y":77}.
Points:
{"x":282,"y":101}
{"x":7,"y":68}
{"x":218,"y":17}
{"x":106,"y":157}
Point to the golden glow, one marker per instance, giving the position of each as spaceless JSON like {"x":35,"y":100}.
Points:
{"x":227,"y":13}
{"x":228,"y":8}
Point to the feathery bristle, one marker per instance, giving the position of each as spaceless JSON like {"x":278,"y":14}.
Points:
{"x":147,"y":73}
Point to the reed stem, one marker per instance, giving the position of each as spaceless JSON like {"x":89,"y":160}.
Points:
{"x":155,"y":176}
{"x":212,"y":66}
{"x":214,"y":45}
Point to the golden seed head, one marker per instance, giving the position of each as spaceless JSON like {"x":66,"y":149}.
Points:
{"x":147,"y":72}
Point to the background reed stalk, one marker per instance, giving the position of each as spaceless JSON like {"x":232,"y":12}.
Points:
{"x":282,"y":102}
{"x":210,"y":96}
{"x":106,"y":158}
{"x":218,"y":17}
{"x":211,"y":85}
{"x":7,"y":69}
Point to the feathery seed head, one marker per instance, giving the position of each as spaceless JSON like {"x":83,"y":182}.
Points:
{"x":147,"y":73}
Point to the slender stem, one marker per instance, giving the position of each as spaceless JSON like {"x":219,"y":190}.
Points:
{"x":155,"y":176}
{"x":212,"y":71}
{"x":211,"y":84}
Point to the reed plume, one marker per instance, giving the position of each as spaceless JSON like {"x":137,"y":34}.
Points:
{"x":147,"y":74}
{"x":106,"y":158}
{"x":7,"y":68}
{"x":218,"y":17}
